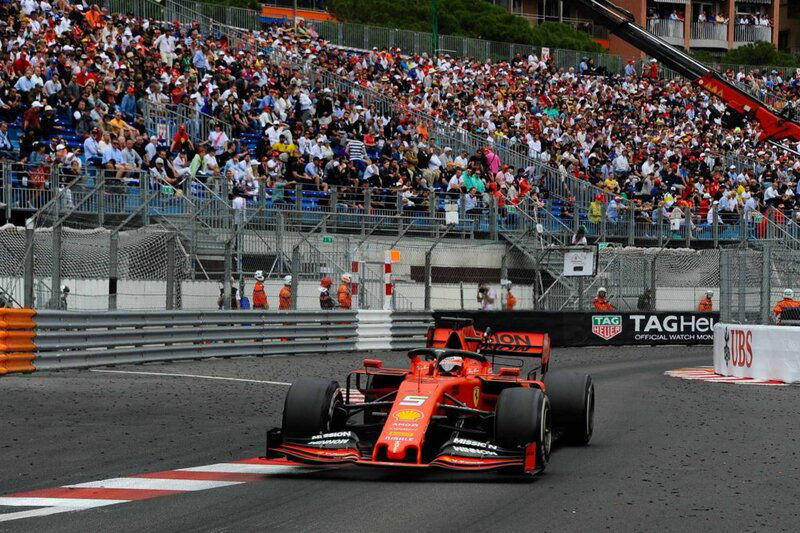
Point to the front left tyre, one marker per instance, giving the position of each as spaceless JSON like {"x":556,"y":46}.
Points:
{"x":522,"y":417}
{"x":310,"y":408}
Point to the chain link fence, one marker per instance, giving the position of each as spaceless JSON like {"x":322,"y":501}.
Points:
{"x":753,"y":281}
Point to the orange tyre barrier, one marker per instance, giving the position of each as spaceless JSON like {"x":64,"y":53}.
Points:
{"x":17,"y":345}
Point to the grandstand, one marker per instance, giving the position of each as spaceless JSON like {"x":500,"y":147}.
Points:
{"x":139,"y":113}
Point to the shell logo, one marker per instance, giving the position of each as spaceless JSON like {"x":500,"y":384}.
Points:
{"x":408,"y":414}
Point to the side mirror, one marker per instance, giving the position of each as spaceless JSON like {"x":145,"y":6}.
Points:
{"x":505,"y":371}
{"x":373,"y":363}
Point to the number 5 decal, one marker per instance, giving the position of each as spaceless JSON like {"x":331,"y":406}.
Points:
{"x":413,"y":401}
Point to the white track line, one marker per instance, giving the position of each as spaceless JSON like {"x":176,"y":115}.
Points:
{"x":42,"y":511}
{"x":76,"y":503}
{"x":281,"y":383}
{"x":245,"y":468}
{"x":154,"y":484}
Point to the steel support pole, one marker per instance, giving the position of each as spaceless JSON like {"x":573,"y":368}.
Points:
{"x":7,"y":191}
{"x":428,"y":269}
{"x":226,"y":281}
{"x":503,"y":277}
{"x":725,"y":286}
{"x":295,"y":274}
{"x":279,"y":241}
{"x":660,"y":227}
{"x":687,"y":222}
{"x":766,"y":283}
{"x":170,"y":303}
{"x":493,"y":215}
{"x":101,"y":198}
{"x":715,"y":226}
{"x":55,"y":273}
{"x":30,"y":253}
{"x":742,"y":294}
{"x":631,"y":225}
{"x":113,"y":270}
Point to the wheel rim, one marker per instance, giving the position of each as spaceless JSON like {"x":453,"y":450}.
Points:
{"x":590,"y":411}
{"x":546,"y":437}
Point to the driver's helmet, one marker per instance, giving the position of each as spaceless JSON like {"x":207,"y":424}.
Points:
{"x":451,"y":365}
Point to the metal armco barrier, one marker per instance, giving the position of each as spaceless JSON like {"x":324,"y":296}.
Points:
{"x":16,"y":341}
{"x":57,"y":340}
{"x":82,"y":340}
{"x":602,"y":328}
{"x":409,"y":330}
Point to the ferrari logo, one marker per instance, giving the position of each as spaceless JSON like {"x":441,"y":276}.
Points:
{"x":476,"y":395}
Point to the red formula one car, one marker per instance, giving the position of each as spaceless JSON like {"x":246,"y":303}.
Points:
{"x":451,"y":408}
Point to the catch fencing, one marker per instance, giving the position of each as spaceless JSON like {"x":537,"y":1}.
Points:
{"x":753,"y":281}
{"x":56,"y":340}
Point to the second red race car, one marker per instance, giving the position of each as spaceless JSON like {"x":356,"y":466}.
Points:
{"x":451,"y":408}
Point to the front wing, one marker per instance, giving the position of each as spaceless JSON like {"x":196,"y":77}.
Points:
{"x":456,"y":454}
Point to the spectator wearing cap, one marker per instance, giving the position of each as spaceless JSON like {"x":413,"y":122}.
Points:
{"x":181,"y":140}
{"x":31,"y":120}
{"x":613,"y":209}
{"x":158,"y":173}
{"x":128,"y":104}
{"x":91,"y":148}
{"x":713,"y":214}
{"x":166,"y":44}
{"x":326,"y":301}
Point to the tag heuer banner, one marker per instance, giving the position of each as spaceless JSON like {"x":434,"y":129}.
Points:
{"x":607,"y":326}
{"x":601,"y":329}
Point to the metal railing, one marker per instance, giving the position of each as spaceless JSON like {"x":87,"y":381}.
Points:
{"x":749,"y":33}
{"x":163,"y":120}
{"x":671,"y":29}
{"x":99,"y":200}
{"x":710,"y":31}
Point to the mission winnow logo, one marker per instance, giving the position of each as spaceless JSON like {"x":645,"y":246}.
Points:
{"x":606,"y":326}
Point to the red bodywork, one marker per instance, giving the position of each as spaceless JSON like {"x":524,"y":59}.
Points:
{"x":426,"y":395}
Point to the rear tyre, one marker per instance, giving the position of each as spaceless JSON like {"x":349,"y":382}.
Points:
{"x":309,"y":408}
{"x":572,"y":399}
{"x":522,"y":417}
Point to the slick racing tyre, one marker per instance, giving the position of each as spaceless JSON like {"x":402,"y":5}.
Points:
{"x":572,"y":399}
{"x":523,"y":417}
{"x":310,"y":408}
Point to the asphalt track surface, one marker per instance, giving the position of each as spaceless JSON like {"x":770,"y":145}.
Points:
{"x":667,"y":454}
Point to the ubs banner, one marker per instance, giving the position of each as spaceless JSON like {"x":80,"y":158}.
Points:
{"x":602,"y":329}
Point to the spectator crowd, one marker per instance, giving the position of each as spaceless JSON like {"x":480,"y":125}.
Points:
{"x":75,"y":80}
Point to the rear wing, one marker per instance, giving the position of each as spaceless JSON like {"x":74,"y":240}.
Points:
{"x":520,"y":343}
